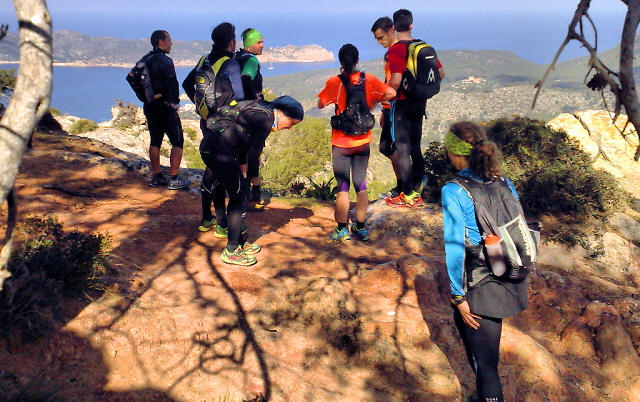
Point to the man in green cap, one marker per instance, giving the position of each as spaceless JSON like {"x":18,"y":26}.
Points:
{"x":253,"y":43}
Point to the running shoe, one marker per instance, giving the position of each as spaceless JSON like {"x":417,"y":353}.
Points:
{"x":362,"y":234}
{"x":178,"y":184}
{"x":251,"y":248}
{"x":404,"y":201}
{"x":257,"y":205}
{"x":238,"y":257}
{"x":340,"y":234}
{"x":206,"y":226}
{"x":159,"y":181}
{"x":394,"y":192}
{"x":223,"y":233}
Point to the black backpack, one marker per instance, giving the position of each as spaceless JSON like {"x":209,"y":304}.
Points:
{"x":421,"y":79}
{"x":228,"y":116}
{"x":213,"y":90}
{"x":140,"y":80}
{"x":356,"y":119}
{"x":499,"y":213}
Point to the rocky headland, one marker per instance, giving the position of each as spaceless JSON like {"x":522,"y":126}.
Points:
{"x":79,"y":50}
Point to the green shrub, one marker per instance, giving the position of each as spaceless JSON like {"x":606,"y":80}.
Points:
{"x":552,"y":175}
{"x":191,"y":155}
{"x":8,"y":79}
{"x":82,"y":126}
{"x":191,"y":133}
{"x":439,"y":169}
{"x":47,"y":267}
{"x":300,"y":152}
{"x":54,"y":111}
{"x":323,"y":190}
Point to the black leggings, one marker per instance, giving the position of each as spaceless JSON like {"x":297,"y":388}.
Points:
{"x":208,"y":189}
{"x":226,"y":175}
{"x":406,"y":130}
{"x":350,"y":160}
{"x":483,"y":351}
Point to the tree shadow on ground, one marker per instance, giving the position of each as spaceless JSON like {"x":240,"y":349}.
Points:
{"x":179,"y":323}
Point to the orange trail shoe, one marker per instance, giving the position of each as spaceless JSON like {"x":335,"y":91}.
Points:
{"x":403,"y":201}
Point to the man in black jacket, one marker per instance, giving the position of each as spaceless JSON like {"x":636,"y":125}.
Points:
{"x":162,"y":112}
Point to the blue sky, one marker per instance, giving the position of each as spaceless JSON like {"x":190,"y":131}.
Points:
{"x":102,"y":13}
{"x":535,"y":28}
{"x":116,"y":6}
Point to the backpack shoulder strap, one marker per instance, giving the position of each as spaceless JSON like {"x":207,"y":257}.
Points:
{"x":201,"y":61}
{"x":476,"y":190}
{"x":346,"y":83}
{"x":413,"y":48}
{"x":219,"y":63}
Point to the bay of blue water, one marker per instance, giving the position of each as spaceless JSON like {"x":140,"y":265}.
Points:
{"x":90,"y":92}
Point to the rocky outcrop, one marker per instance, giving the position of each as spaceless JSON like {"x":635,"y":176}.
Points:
{"x":611,"y":146}
{"x":297,"y":54}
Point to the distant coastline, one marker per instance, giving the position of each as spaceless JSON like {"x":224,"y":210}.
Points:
{"x":183,"y":63}
{"x":72,"y":49}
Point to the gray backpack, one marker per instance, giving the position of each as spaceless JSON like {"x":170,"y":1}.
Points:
{"x":499,"y":213}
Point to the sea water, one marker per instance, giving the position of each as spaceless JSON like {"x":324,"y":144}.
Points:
{"x":90,"y":92}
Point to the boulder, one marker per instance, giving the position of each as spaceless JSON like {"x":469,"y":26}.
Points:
{"x":598,"y":136}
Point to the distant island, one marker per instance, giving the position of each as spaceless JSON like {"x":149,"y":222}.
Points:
{"x":75,"y":49}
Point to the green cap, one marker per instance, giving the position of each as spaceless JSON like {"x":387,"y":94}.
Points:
{"x":251,"y":37}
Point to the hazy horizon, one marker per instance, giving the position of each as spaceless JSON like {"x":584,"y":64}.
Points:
{"x":532,"y":30}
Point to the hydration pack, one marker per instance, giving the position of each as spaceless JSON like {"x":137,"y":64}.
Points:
{"x":213,"y":90}
{"x":499,"y":213}
{"x":421,"y":79}
{"x":140,"y":80}
{"x":225,"y":122}
{"x":356,"y":119}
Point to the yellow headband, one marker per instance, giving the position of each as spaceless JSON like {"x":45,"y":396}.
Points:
{"x":457,"y":146}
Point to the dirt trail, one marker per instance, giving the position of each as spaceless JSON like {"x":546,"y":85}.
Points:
{"x":179,"y":316}
{"x":312,"y":321}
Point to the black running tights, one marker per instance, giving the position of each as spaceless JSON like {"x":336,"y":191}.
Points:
{"x":226,"y":171}
{"x":483,"y":349}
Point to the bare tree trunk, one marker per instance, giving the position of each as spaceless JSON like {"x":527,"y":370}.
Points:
{"x":628,"y":93}
{"x":622,"y":84}
{"x":30,"y":99}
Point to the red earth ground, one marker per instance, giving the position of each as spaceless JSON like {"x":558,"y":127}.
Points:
{"x":312,"y":321}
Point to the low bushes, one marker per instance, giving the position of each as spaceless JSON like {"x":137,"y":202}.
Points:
{"x":47,"y":267}
{"x":552,"y":175}
{"x":82,"y":126}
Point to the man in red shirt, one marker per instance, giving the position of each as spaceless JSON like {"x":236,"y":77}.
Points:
{"x":406,"y":117}
{"x":385,"y":34}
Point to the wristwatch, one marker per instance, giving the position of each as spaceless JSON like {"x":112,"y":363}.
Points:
{"x":458,"y":300}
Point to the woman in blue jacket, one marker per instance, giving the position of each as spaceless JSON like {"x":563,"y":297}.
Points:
{"x":480,"y":299}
